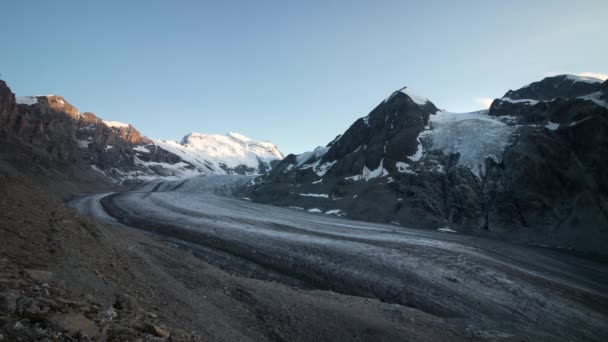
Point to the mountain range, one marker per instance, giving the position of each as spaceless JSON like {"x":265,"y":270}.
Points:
{"x":49,"y":137}
{"x":530,"y":168}
{"x":416,"y":223}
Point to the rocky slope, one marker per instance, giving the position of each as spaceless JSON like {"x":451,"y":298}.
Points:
{"x":529,"y":168}
{"x":49,"y":129}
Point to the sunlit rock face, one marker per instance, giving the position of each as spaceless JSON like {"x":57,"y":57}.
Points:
{"x":51,"y":129}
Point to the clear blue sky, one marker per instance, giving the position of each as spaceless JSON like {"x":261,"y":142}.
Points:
{"x":295,"y":73}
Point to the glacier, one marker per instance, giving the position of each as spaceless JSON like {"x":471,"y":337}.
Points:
{"x":474,"y":135}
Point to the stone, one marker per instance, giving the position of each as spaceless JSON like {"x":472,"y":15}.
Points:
{"x":73,"y":324}
{"x":125,"y":302}
{"x":28,"y":308}
{"x":8,"y":302}
{"x":159,"y":331}
{"x":43,"y":277}
{"x":109,"y":314}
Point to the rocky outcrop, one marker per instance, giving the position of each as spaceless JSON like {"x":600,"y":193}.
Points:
{"x":604,"y":91}
{"x":54,"y":131}
{"x":528,"y":169}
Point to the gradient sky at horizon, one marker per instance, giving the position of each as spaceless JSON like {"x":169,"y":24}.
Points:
{"x":294,"y":73}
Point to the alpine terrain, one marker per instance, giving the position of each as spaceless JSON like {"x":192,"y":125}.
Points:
{"x":531,"y":168}
{"x":89,"y":151}
{"x":415,"y":224}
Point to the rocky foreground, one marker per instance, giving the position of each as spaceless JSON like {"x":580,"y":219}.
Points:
{"x":57,"y":272}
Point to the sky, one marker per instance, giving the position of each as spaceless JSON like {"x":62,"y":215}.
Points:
{"x":296,"y":73}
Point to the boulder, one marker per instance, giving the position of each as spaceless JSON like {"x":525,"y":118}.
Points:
{"x":74,"y":324}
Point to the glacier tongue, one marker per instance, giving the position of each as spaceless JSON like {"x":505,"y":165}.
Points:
{"x":475,"y":136}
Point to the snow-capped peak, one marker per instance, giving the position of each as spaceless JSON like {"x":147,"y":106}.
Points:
{"x":417,"y":99}
{"x":216,"y":153}
{"x":577,"y":78}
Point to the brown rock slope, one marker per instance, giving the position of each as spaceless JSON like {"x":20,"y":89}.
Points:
{"x":49,"y":139}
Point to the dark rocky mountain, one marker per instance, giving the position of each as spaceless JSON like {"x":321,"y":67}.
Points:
{"x":48,"y":137}
{"x":560,"y":86}
{"x":531,"y":168}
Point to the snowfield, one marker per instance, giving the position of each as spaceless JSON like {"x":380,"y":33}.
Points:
{"x":116,"y":124}
{"x":214,"y":153}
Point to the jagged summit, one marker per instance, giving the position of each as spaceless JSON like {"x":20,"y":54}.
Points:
{"x":499,"y":169}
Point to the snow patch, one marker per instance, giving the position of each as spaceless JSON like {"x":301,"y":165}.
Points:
{"x":446,"y":229}
{"x":314,"y":210}
{"x":141,"y":149}
{"x":596,"y":97}
{"x":305,"y":157}
{"x":180,"y":170}
{"x":26,"y":100}
{"x":368,"y":174}
{"x":315,"y":195}
{"x":552,"y":126}
{"x":404,"y":168}
{"x":82,"y":143}
{"x":419,"y":151}
{"x":115,"y":124}
{"x":417,"y":99}
{"x":322,"y":170}
{"x":524,"y":101}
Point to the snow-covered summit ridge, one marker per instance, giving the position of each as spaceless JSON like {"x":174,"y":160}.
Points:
{"x":215,"y":153}
{"x":419,"y":100}
{"x":577,"y":78}
{"x":233,"y":142}
{"x":572,"y":78}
